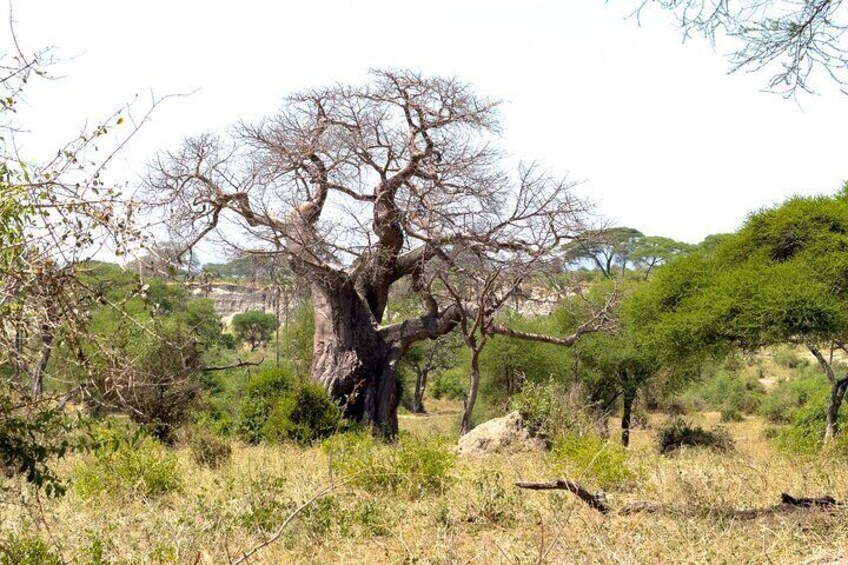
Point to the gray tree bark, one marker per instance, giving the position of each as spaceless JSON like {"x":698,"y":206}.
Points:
{"x":471,"y":396}
{"x":837,"y":395}
{"x":628,"y":398}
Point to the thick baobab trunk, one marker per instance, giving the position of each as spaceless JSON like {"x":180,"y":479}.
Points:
{"x":471,"y":397}
{"x":353,"y":362}
{"x":628,"y":398}
{"x":837,"y":395}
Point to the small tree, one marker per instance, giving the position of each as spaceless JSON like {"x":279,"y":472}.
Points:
{"x":427,"y":358}
{"x":652,"y":251}
{"x":254,"y":327}
{"x":149,"y":373}
{"x":625,"y":363}
{"x":54,"y":215}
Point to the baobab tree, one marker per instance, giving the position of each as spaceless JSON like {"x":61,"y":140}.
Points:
{"x":362,"y":187}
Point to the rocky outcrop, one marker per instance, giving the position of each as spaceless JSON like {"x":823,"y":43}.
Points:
{"x":498,"y":435}
{"x":231,"y":299}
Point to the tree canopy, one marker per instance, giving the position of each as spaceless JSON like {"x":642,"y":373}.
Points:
{"x":613,"y":249}
{"x":782,"y":278}
{"x":254,"y":327}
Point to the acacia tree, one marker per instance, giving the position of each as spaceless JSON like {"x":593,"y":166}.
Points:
{"x":782,"y":279}
{"x":255,"y":327}
{"x":651,"y":251}
{"x":606,"y":248}
{"x":626,"y":362}
{"x":362,"y":187}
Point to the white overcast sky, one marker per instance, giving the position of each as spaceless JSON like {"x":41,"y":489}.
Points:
{"x":664,"y":139}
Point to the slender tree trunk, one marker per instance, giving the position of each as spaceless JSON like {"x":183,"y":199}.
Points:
{"x":837,"y":395}
{"x":420,"y":385}
{"x":648,"y":270}
{"x":277,"y":331}
{"x":837,"y":392}
{"x":471,"y":397}
{"x":37,"y":378}
{"x":17,"y":354}
{"x":628,"y":398}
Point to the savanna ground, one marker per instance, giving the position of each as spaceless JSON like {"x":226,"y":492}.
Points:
{"x":470,"y":512}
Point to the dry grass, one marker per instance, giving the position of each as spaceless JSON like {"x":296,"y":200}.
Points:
{"x":482,"y":518}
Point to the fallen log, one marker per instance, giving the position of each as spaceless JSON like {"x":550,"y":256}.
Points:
{"x":595,"y":501}
{"x":788,"y":503}
{"x":821,"y":502}
{"x":237,"y":365}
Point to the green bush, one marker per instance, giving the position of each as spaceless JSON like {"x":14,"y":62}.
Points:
{"x":771,"y":432}
{"x":789,"y":358}
{"x":731,"y":415}
{"x":370,"y":516}
{"x":277,"y":407}
{"x":726,"y":392}
{"x":805,"y":434}
{"x":302,"y":415}
{"x":677,"y":433}
{"x":267,"y":504}
{"x":203,"y":321}
{"x":317,"y":518}
{"x":413,"y":467}
{"x":550,"y":411}
{"x":27,"y":551}
{"x":209,"y":449}
{"x":32,"y":437}
{"x":604,"y":461}
{"x":228,"y":341}
{"x":491,"y":502}
{"x":782,"y":403}
{"x":260,"y":395}
{"x":95,"y":552}
{"x":218,"y":413}
{"x":450,"y":384}
{"x":506,"y":364}
{"x":144,"y":468}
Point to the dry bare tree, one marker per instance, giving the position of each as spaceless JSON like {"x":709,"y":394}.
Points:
{"x":54,"y":215}
{"x":794,"y":40}
{"x":363,"y":187}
